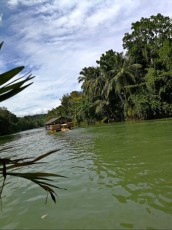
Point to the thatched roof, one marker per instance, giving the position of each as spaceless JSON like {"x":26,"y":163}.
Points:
{"x":51,"y":121}
{"x":56,"y":119}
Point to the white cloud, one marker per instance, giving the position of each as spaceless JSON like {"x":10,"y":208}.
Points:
{"x":25,"y":2}
{"x":1,"y":15}
{"x":13,"y":2}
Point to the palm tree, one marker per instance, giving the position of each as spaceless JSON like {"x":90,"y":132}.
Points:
{"x":117,"y":73}
{"x":122,"y":75}
{"x":84,"y":110}
{"x":88,"y":76}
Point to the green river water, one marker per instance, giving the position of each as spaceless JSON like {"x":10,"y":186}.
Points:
{"x":119,"y":177}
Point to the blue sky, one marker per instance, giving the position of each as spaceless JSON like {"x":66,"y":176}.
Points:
{"x":55,"y":39}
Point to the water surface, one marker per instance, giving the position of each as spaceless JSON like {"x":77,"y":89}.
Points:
{"x":119,"y":177}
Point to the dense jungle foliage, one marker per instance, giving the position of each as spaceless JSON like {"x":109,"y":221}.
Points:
{"x":134,"y":85}
{"x":10,"y":123}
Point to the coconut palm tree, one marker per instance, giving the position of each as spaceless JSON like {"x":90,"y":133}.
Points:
{"x":88,"y":76}
{"x":122,"y":75}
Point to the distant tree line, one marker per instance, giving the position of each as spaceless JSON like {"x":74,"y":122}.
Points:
{"x":134,"y":85}
{"x":10,"y":123}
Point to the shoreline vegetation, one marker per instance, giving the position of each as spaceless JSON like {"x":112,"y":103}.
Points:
{"x":135,"y":85}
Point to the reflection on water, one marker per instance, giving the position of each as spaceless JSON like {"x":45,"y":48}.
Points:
{"x":119,"y":177}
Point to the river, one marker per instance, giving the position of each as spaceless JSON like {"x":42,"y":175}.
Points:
{"x":119,"y":176}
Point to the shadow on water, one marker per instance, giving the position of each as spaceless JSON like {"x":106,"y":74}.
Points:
{"x":6,"y":139}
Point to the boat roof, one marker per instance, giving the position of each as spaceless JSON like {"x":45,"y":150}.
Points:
{"x":52,"y":120}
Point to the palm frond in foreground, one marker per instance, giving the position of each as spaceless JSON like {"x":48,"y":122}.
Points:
{"x":42,"y":179}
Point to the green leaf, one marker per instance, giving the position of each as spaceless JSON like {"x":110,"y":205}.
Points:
{"x":1,"y":44}
{"x":44,"y":183}
{"x":29,"y":77}
{"x":34,"y":175}
{"x":45,"y":155}
{"x":13,"y":92}
{"x":137,"y":66}
{"x":31,"y":162}
{"x":5,"y":148}
{"x":4,"y":77}
{"x":53,"y":197}
{"x":14,"y":86}
{"x":48,"y":189}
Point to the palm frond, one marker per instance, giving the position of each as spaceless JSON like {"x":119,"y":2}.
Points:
{"x":11,"y":93}
{"x":1,"y":44}
{"x":5,"y":77}
{"x":9,"y":89}
{"x":38,"y":178}
{"x":136,"y":66}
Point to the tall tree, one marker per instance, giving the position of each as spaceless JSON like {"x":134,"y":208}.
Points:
{"x":147,"y":38}
{"x":119,"y":72}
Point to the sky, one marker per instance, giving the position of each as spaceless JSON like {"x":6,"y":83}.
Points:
{"x":56,"y":39}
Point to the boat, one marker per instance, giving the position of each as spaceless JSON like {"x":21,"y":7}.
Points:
{"x":64,"y":127}
{"x":51,"y":131}
{"x":59,"y":124}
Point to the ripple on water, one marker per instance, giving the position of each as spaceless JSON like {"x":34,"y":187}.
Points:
{"x":119,"y":176}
